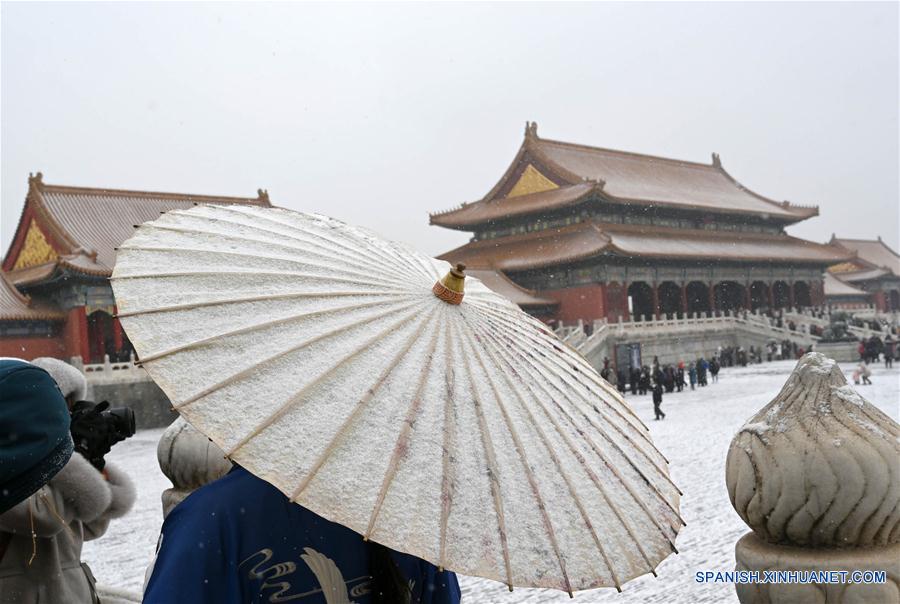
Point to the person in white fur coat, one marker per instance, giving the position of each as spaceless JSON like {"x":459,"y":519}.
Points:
{"x":41,"y":538}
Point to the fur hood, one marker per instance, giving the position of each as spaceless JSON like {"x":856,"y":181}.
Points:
{"x":69,"y":378}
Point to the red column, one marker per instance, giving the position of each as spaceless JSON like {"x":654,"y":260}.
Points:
{"x":771,"y":295}
{"x":747,"y":302}
{"x":791,"y":294}
{"x":712,"y":297}
{"x":118,"y":340}
{"x":625,"y":313}
{"x":684,"y":300}
{"x":655,"y":290}
{"x":76,"y":334}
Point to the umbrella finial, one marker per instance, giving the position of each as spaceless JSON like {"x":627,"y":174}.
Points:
{"x":451,"y":288}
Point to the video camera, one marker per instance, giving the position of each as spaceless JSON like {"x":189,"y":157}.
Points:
{"x":96,"y":428}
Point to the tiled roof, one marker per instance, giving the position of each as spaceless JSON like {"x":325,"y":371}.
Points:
{"x":501,"y":284}
{"x":875,"y":252}
{"x":623,"y":177}
{"x":16,"y":307}
{"x":507,"y":207}
{"x":92,"y":222}
{"x":836,"y":287}
{"x":532,"y":250}
{"x":589,"y":239}
{"x":864,"y":275}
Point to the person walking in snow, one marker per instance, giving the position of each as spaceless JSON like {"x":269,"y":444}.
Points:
{"x":692,"y":375}
{"x":889,"y":351}
{"x":714,"y":370}
{"x":865,"y":373}
{"x":657,"y":399}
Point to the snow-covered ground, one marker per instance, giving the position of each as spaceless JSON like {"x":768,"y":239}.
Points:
{"x":694,"y":436}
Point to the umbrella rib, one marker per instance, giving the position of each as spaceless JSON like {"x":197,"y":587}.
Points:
{"x":263,"y":298}
{"x":253,"y":368}
{"x":576,"y":359}
{"x":565,"y":475}
{"x":295,"y":398}
{"x":618,"y":448}
{"x":493,"y":475}
{"x":245,"y":273}
{"x":360,"y":405}
{"x":613,"y":443}
{"x":446,"y":480}
{"x":562,"y":376}
{"x":289,"y":260}
{"x":572,"y":356}
{"x":545,"y":337}
{"x":596,"y":479}
{"x":256,"y":326}
{"x":587,"y":370}
{"x":523,"y":458}
{"x":622,"y":480}
{"x":362,"y":253}
{"x":401,"y":447}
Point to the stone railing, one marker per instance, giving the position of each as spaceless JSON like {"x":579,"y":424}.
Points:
{"x":108,"y":370}
{"x":761,"y":325}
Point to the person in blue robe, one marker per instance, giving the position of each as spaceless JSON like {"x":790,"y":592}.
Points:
{"x":239,"y":540}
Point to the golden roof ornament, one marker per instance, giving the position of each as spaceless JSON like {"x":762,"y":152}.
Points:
{"x":451,"y":288}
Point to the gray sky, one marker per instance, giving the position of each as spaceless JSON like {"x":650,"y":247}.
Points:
{"x":378,"y":114}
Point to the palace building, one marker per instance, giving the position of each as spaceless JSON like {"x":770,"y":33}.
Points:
{"x":55,"y":297}
{"x":872,"y":273}
{"x":609,"y":234}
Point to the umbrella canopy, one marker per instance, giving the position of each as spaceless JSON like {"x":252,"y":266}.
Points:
{"x":335,"y":366}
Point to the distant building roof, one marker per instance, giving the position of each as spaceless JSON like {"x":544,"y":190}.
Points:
{"x":503,"y":285}
{"x":15,"y":306}
{"x":548,"y":174}
{"x":588,"y":239}
{"x":835,"y":287}
{"x":875,"y":252}
{"x":78,"y":228}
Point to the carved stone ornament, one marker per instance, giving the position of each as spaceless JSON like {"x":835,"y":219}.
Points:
{"x":816,"y":475}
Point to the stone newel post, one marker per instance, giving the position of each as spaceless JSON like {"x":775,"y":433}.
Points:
{"x":816,"y":475}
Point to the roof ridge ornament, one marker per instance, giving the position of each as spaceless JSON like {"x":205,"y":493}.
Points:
{"x":531,"y":130}
{"x":262,"y":194}
{"x":36,"y":180}
{"x":716,"y":160}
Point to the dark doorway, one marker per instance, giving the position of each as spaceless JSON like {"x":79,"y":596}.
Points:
{"x":759,"y":295}
{"x":101,"y":339}
{"x":894,"y":300}
{"x":697,"y":297}
{"x":781,"y":294}
{"x":801,"y":294}
{"x":641,"y":295}
{"x":669,"y":299}
{"x":729,"y":295}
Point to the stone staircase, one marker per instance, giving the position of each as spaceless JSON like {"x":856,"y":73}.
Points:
{"x":757,"y":327}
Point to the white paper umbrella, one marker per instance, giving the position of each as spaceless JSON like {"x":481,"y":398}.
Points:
{"x":317,"y":356}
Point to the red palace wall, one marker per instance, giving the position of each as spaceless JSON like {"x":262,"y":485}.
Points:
{"x":880,"y":300}
{"x":29,"y":348}
{"x":584,"y":302}
{"x":616,"y":301}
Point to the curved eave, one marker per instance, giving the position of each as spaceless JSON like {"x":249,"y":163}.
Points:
{"x":798,"y":212}
{"x":523,"y":205}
